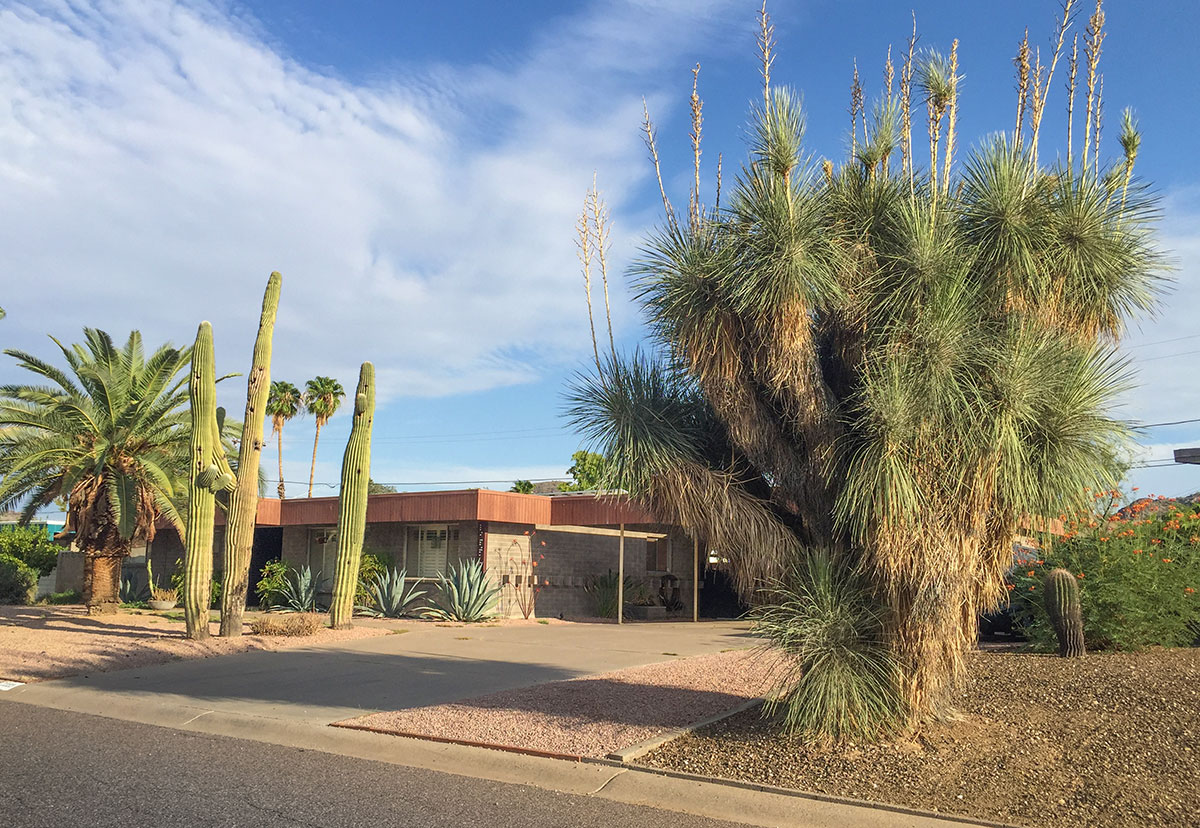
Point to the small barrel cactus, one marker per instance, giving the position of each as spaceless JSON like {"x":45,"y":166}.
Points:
{"x":1062,"y":605}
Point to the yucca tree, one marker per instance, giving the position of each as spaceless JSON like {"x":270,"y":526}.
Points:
{"x":322,"y":398}
{"x":886,"y":366}
{"x":283,"y":403}
{"x":110,"y":434}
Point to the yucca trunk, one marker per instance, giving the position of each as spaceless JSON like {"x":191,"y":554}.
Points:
{"x":243,"y":502}
{"x":352,"y":500}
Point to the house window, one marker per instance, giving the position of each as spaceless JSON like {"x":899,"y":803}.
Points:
{"x":322,"y":551}
{"x":658,"y":555}
{"x":429,"y":549}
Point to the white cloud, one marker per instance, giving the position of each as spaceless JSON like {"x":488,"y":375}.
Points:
{"x":158,"y":160}
{"x":1165,"y":351}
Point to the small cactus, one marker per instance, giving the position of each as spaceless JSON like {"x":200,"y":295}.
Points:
{"x":1062,"y":605}
{"x":352,"y":501}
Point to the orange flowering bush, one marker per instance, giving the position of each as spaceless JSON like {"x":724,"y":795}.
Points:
{"x":1137,"y":580}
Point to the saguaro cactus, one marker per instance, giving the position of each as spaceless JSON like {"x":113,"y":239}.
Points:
{"x":243,"y":502}
{"x":1066,"y":614}
{"x":352,"y":502}
{"x":209,"y":473}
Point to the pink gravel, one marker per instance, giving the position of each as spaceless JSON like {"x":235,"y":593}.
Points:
{"x":40,"y":643}
{"x":591,"y":716}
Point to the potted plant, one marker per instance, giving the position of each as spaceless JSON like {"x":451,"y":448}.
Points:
{"x":641,"y":606}
{"x":160,"y":599}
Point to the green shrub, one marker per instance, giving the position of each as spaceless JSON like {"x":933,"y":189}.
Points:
{"x":30,"y":545}
{"x":18,"y":581}
{"x":370,"y":568}
{"x":603,"y":589}
{"x":1138,"y":576}
{"x":836,"y":678}
{"x":271,"y":581}
{"x":466,"y":594}
{"x":71,"y":596}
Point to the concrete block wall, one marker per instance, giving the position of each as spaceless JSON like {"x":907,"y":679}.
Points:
{"x":509,"y":564}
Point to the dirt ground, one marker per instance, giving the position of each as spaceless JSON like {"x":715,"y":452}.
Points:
{"x":591,"y":716}
{"x":1110,"y":739}
{"x":39,"y":643}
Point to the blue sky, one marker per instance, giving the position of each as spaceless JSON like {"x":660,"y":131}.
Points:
{"x":415,"y":171}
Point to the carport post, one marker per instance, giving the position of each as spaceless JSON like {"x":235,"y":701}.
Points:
{"x":696,"y":578}
{"x":621,"y":577}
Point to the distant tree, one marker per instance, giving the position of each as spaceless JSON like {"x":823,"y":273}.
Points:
{"x":110,"y":433}
{"x":586,"y":472}
{"x":322,"y":397}
{"x":283,"y":403}
{"x":379,"y":488}
{"x":522,"y":487}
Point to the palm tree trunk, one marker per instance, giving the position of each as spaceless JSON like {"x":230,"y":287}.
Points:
{"x":282,"y":493}
{"x":101,"y":581}
{"x":312,"y":470}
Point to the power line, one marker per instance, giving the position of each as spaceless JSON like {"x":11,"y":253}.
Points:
{"x":1172,"y":423}
{"x":1162,"y":341}
{"x":1166,"y":356}
{"x":427,"y":482}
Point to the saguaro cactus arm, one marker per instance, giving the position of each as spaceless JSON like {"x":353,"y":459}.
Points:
{"x":243,"y":503}
{"x":352,"y":502}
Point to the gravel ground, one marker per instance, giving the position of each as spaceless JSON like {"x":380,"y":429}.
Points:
{"x":39,"y":643}
{"x":590,"y":716}
{"x":1111,"y":739}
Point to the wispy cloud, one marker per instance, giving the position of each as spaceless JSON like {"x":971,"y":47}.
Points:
{"x":159,"y":159}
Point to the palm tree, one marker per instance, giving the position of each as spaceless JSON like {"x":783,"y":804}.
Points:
{"x":322,"y":396}
{"x":878,"y":369}
{"x":283,"y":403}
{"x":111,"y":435}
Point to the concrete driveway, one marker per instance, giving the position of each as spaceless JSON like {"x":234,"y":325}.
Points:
{"x":428,"y":664}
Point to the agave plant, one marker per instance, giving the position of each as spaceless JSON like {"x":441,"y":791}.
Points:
{"x":466,"y":594}
{"x":299,"y":592}
{"x":132,"y":591}
{"x":390,"y":596}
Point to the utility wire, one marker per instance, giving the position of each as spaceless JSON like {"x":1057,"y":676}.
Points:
{"x":1162,"y":341}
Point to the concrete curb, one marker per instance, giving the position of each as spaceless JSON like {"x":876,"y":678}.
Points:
{"x":615,"y":760}
{"x":642,"y":748}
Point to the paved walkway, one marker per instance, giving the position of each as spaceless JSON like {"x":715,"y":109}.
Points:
{"x":427,"y":665}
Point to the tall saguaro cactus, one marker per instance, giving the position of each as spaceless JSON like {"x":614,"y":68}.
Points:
{"x":1066,"y":614}
{"x":352,"y":502}
{"x":243,"y":503}
{"x":209,"y":473}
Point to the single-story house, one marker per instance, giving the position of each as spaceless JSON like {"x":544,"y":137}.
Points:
{"x":560,"y":541}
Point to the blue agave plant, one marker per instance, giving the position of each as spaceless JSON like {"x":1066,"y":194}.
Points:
{"x":299,"y":592}
{"x":390,"y":596}
{"x":466,"y":594}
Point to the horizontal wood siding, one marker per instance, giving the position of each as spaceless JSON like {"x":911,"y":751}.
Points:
{"x":595,"y":510}
{"x":510,"y":507}
{"x":464,"y":505}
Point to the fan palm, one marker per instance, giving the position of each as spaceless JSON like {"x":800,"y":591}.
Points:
{"x":283,"y":403}
{"x":322,"y":397}
{"x":110,"y":433}
{"x":884,"y":367}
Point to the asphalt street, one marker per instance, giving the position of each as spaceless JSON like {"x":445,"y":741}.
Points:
{"x":61,"y":768}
